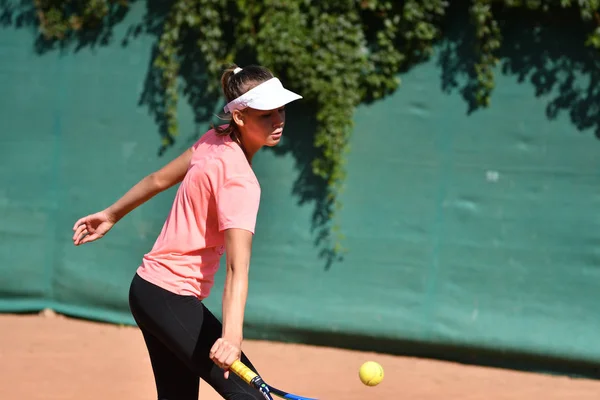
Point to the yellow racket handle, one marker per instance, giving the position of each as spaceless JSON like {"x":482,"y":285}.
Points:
{"x":242,"y":371}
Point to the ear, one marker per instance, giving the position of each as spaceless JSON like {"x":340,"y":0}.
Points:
{"x":238,"y":117}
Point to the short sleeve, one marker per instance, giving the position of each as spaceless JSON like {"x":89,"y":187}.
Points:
{"x":237,"y":204}
{"x":197,"y":144}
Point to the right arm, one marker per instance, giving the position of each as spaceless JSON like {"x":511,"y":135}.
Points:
{"x":150,"y":186}
{"x":94,"y":226}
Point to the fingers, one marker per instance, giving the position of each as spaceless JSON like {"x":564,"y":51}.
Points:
{"x":79,"y":233}
{"x":216,"y":352}
{"x":230,"y":360}
{"x":231,"y":357}
{"x":214,"y":349}
{"x":219,"y":352}
{"x":79,"y":222}
{"x":83,"y":221}
{"x":89,"y":238}
{"x":84,"y":233}
{"x":91,"y":227}
{"x":224,"y":354}
{"x":81,"y":228}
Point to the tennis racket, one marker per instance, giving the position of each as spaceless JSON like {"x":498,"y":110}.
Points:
{"x":251,"y":378}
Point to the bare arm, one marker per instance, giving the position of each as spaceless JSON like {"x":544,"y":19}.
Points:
{"x":238,"y":243}
{"x":151,"y":185}
{"x":95,"y":226}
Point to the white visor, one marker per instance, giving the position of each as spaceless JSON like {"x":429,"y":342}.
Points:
{"x":269,"y":95}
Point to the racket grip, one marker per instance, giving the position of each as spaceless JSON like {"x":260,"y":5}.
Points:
{"x":243,"y":371}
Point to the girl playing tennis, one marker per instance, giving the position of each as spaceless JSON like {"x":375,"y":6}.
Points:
{"x":214,"y":212}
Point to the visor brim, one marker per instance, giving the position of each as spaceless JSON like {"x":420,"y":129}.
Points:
{"x":277,"y":100}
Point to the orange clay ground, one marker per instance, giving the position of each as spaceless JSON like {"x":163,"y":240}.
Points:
{"x":53,"y":357}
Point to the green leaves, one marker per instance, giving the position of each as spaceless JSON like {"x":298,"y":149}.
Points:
{"x":59,"y":18}
{"x":489,"y":40}
{"x":336,"y":53}
{"x":594,"y":39}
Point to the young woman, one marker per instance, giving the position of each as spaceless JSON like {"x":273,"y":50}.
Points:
{"x":214,"y":212}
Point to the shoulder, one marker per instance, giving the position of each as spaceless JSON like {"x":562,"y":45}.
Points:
{"x":209,"y":137}
{"x":232,"y":166}
{"x":233,"y":181}
{"x":225,"y":161}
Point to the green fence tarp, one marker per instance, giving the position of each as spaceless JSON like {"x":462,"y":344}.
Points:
{"x":463,"y":230}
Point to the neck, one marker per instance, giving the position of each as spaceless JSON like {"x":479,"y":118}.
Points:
{"x":249,"y":148}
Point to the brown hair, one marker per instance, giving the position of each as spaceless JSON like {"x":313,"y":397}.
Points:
{"x":234,"y":85}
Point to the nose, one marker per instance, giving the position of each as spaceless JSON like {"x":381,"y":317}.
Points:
{"x":277,"y":119}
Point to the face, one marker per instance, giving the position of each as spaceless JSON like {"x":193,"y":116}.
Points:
{"x":260,"y":128}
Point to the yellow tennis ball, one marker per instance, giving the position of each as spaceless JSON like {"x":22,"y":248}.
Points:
{"x":371,"y":373}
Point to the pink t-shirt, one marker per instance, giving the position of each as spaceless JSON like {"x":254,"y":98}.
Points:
{"x":219,"y":191}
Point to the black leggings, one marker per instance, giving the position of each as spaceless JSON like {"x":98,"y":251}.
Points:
{"x":179,"y":332}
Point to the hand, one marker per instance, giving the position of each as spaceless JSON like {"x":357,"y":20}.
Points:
{"x":92,"y":227}
{"x":224,"y":353}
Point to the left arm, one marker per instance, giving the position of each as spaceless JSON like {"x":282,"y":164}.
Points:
{"x":238,"y":244}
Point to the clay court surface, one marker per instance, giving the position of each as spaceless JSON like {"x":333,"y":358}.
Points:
{"x":53,"y":357}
